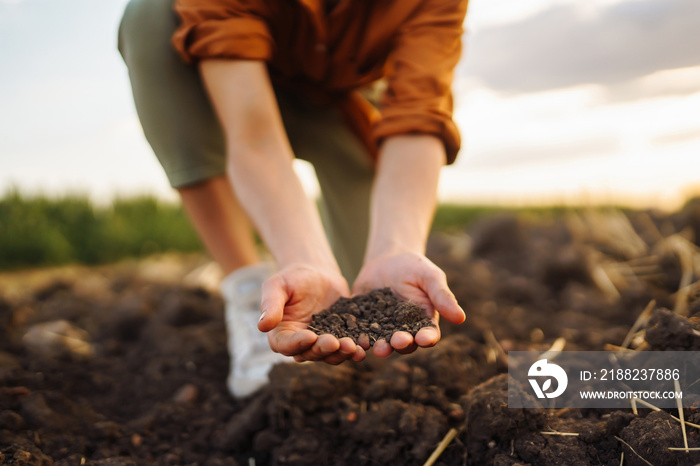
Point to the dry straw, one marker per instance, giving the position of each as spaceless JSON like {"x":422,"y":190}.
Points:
{"x":451,"y":434}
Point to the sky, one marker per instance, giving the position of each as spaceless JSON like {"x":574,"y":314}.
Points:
{"x":558,"y":101}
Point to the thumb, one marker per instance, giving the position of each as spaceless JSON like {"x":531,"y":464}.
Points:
{"x":443,"y":299}
{"x":274,"y":298}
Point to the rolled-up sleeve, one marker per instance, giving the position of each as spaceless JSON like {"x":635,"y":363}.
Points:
{"x":221,"y":29}
{"x":418,"y":98}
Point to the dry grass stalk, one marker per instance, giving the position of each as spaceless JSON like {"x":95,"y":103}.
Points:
{"x":650,"y":276}
{"x":555,"y":349}
{"x":449,"y":436}
{"x":561,"y":434}
{"x":629,"y":235}
{"x":638,"y":346}
{"x":615,"y":230}
{"x":687,"y":450}
{"x":611,"y":347}
{"x":604,"y":284}
{"x":686,"y":253}
{"x":621,"y":277}
{"x":643,"y":269}
{"x":684,"y":295}
{"x":611,"y":228}
{"x":622,"y":458}
{"x":681,"y":415}
{"x":496,"y":351}
{"x":639,"y":323}
{"x":649,"y":226}
{"x":628,"y":275}
{"x":681,"y":305}
{"x":634,"y":402}
{"x":563,"y":412}
{"x":642,"y":346}
{"x":696,"y":381}
{"x":651,"y":259}
{"x":633,"y":451}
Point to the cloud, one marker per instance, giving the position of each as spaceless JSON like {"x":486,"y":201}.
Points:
{"x":665,"y":83}
{"x":543,"y":153}
{"x":676,"y":137}
{"x":566,"y":46}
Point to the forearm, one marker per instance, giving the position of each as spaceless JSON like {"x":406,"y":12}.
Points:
{"x":274,"y":199}
{"x":404,"y":195}
{"x":259,"y":163}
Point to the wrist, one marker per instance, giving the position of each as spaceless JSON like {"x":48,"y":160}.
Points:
{"x":314,"y":261}
{"x":386,"y":248}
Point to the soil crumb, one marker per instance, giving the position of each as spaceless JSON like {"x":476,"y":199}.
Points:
{"x":370,"y":317}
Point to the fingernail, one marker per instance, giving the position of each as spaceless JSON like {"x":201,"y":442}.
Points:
{"x":262,"y":316}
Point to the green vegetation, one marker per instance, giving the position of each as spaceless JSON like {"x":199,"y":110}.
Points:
{"x":451,"y":216}
{"x":40,"y":231}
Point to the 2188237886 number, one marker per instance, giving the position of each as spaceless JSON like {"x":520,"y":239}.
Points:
{"x":640,"y":374}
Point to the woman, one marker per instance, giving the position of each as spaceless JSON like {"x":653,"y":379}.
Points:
{"x":246,"y":85}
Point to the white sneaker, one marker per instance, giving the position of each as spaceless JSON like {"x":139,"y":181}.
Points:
{"x":249,"y":350}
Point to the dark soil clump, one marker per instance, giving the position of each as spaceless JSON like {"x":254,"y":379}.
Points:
{"x":370,"y":317}
{"x":668,"y":331}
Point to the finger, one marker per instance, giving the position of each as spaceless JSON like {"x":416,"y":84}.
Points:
{"x":409,"y":349}
{"x":428,"y":336}
{"x":346,"y":350}
{"x":309,"y":356}
{"x":290,"y":342}
{"x":347,"y":346}
{"x":435,"y":285}
{"x":328,"y":344}
{"x":274,"y":298}
{"x":325,"y":346}
{"x":337,"y":358}
{"x":382,"y":348}
{"x":401,"y":340}
{"x":359,"y":354}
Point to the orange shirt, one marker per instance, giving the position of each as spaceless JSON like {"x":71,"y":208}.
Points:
{"x":413,"y":44}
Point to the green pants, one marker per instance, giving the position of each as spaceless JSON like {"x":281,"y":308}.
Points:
{"x":185,"y":135}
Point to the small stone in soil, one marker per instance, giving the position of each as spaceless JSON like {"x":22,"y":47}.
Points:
{"x":370,"y":317}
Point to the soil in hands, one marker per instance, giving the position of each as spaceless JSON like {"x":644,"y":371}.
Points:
{"x":370,"y":317}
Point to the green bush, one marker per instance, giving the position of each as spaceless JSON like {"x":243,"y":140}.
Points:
{"x":40,"y":231}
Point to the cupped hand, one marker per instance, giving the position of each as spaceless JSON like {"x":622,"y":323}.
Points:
{"x":289,"y":299}
{"x":414,"y":278}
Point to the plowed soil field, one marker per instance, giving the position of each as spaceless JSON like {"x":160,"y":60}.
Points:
{"x":126,"y":364}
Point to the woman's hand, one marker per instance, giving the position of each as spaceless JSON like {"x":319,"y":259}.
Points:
{"x":289,"y":299}
{"x":414,"y":278}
